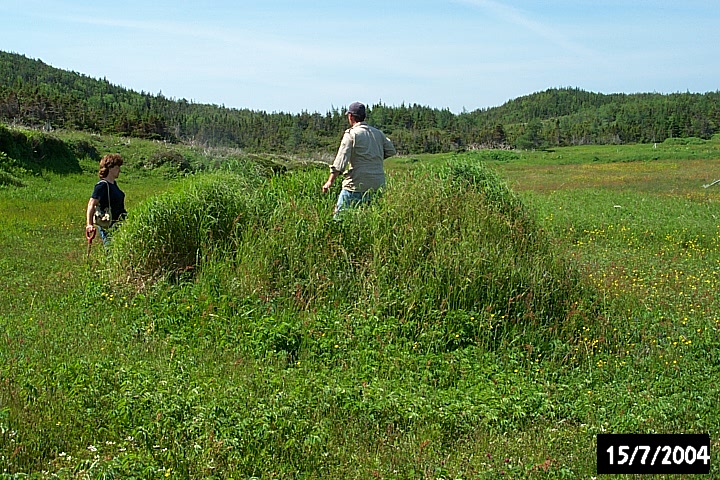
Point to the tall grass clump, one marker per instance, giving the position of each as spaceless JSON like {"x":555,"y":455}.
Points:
{"x":10,"y":171}
{"x":38,"y":151}
{"x":454,"y":243}
{"x":459,"y":240}
{"x":173,"y":231}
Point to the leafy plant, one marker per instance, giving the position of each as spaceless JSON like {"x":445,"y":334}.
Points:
{"x":9,"y":171}
{"x":173,"y":232}
{"x":456,"y":328}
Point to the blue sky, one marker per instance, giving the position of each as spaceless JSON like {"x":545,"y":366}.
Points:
{"x":289,"y":56}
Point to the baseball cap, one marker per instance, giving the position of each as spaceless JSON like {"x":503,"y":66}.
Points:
{"x":356,"y":108}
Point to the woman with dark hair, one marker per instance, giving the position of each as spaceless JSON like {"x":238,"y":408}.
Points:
{"x":106,"y":193}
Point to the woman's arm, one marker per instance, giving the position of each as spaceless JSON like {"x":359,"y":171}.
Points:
{"x":89,"y":214}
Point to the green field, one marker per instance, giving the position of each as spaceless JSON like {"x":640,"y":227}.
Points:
{"x":457,"y":329}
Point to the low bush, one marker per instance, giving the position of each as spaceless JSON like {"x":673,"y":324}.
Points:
{"x":435,"y":242}
{"x":684,"y":141}
{"x":496,"y":155}
{"x":38,"y":151}
{"x":9,"y":171}
{"x":173,"y":161}
{"x":171,"y":232}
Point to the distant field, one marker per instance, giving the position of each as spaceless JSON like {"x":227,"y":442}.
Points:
{"x":250,"y":364}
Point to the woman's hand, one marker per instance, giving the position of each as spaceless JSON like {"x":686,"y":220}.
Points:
{"x":89,"y":227}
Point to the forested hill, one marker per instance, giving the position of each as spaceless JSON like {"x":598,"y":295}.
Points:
{"x":35,"y":94}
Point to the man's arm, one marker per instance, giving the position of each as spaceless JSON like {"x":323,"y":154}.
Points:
{"x":331,"y":179}
{"x":388,"y":147}
{"x":341,"y":160}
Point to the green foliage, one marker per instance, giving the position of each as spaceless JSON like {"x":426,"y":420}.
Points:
{"x":33,"y":152}
{"x":36,"y":151}
{"x":173,"y":162}
{"x":532,"y":137}
{"x":9,"y":171}
{"x":255,"y":367}
{"x":9,"y":179}
{"x":498,"y":196}
{"x":39,"y":96}
{"x":434,"y":243}
{"x":172,"y":231}
{"x":490,"y":155}
{"x":684,"y":141}
{"x":82,"y":148}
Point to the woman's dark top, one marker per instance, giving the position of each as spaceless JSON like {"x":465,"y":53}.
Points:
{"x":117,"y":199}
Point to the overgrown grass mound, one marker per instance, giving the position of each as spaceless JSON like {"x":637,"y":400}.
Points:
{"x":437,"y":242}
{"x":172,"y":232}
{"x":37,"y":151}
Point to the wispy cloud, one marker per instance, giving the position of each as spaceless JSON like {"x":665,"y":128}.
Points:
{"x":266,"y":48}
{"x":523,"y":19}
{"x":284,"y":54}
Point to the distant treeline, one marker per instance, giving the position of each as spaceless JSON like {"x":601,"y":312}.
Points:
{"x":37,"y":95}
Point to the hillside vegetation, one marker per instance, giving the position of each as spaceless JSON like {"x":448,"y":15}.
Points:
{"x":438,"y":243}
{"x":35,"y":94}
{"x":457,"y":328}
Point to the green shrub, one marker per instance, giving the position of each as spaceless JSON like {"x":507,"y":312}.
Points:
{"x":435,"y":242}
{"x":491,"y":155}
{"x":174,"y":161}
{"x":9,"y":179}
{"x":684,"y":141}
{"x":171,"y":232}
{"x":83,"y":149}
{"x":478,"y":178}
{"x":37,"y":151}
{"x":9,"y":171}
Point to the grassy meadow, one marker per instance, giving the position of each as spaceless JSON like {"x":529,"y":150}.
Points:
{"x":486,"y":318}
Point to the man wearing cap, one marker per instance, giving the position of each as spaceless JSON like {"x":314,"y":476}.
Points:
{"x":362,"y":151}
